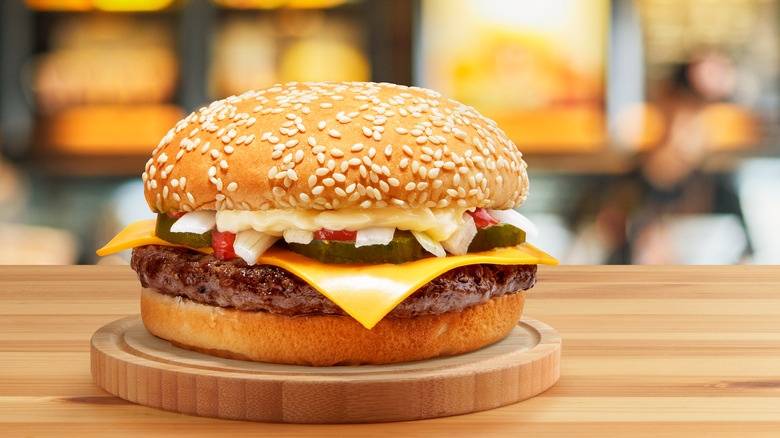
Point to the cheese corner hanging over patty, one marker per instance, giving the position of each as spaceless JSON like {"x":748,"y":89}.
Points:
{"x":365,"y":292}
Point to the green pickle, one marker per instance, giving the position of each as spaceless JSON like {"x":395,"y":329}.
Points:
{"x":496,"y":236}
{"x":403,"y":248}
{"x":194,"y":240}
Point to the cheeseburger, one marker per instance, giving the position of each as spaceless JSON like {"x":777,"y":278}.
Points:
{"x":333,"y":223}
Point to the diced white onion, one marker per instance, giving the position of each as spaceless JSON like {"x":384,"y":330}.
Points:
{"x":516,"y":219}
{"x":374,"y":236}
{"x":458,"y":243}
{"x":195,"y":222}
{"x":429,"y":244}
{"x":251,"y":244}
{"x":298,"y":236}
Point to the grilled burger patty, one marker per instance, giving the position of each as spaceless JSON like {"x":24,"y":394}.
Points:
{"x":205,"y":279}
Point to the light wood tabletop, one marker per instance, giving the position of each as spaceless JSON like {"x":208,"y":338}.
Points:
{"x":647,"y":352}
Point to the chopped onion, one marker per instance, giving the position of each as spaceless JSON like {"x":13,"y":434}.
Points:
{"x":195,"y":222}
{"x":458,"y":243}
{"x":374,"y":236}
{"x":429,"y":244}
{"x":298,"y":236}
{"x":516,"y":219}
{"x":251,"y":244}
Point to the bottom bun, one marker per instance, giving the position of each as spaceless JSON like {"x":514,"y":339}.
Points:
{"x":324,"y":340}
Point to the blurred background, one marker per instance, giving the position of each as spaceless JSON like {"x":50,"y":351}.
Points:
{"x":650,"y":126}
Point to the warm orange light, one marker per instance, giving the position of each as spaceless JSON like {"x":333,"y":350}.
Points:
{"x":59,"y":5}
{"x":105,"y":5}
{"x":271,"y":4}
{"x":131,"y":5}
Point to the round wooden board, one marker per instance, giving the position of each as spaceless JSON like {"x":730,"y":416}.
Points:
{"x":132,"y":364}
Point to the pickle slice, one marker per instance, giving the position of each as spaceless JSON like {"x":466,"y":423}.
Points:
{"x":194,"y":240}
{"x":403,"y":248}
{"x":496,"y":236}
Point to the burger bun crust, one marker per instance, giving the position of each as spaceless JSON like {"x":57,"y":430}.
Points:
{"x":326,"y":340}
{"x":332,"y":145}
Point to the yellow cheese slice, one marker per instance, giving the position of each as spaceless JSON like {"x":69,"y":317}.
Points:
{"x":365,"y":292}
{"x":139,"y":234}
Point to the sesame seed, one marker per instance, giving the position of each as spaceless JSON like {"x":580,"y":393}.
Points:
{"x":403,"y":163}
{"x":368,"y":132}
{"x":389,"y":150}
{"x":336,"y":152}
{"x":357,"y":147}
{"x":312,"y":141}
{"x":225,"y":139}
{"x":339,"y":177}
{"x":351,"y":187}
{"x":292,"y":175}
{"x":272,"y":172}
{"x":377,"y":136}
{"x":223,"y":164}
{"x":408,"y":150}
{"x":276,"y":154}
{"x":422,"y":139}
{"x":232,"y":186}
{"x":321,"y":125}
{"x":304,"y":197}
{"x":335,"y":134}
{"x":326,"y":105}
{"x":318,"y":149}
{"x":190,"y":197}
{"x":298,"y":156}
{"x":212,"y":171}
{"x":344,"y":166}
{"x":321,"y":171}
{"x":330,"y":182}
{"x":384,"y":186}
{"x":410,"y":186}
{"x":393,"y":182}
{"x":291,"y":143}
{"x":273,"y":139}
{"x":371,"y":153}
{"x":278,"y":192}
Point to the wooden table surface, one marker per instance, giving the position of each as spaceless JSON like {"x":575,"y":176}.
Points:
{"x":647,"y":352}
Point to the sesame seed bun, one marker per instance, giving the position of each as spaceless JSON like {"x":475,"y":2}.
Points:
{"x":335,"y":145}
{"x":319,"y":340}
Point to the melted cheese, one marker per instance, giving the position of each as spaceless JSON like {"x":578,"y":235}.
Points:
{"x":365,"y":292}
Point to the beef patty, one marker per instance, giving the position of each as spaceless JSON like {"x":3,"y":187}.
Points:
{"x":205,"y":279}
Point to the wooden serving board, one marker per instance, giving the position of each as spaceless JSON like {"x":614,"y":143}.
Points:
{"x":132,"y":364}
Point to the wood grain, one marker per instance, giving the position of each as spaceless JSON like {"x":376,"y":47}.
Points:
{"x":132,"y":364}
{"x":657,"y":353}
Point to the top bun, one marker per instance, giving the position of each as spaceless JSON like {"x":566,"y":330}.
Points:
{"x":335,"y":145}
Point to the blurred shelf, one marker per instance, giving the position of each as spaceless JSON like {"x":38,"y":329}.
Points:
{"x":107,"y":130}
